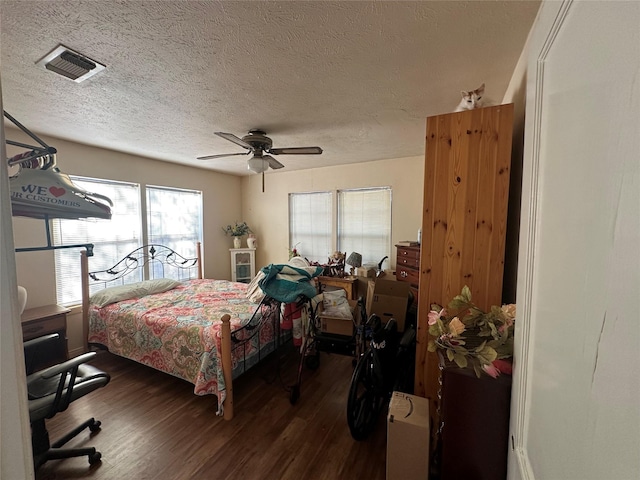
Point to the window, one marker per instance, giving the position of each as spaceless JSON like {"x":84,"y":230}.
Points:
{"x":364,"y":223}
{"x":363,"y":219}
{"x":173,"y":218}
{"x":112,"y":239}
{"x":310,"y":220}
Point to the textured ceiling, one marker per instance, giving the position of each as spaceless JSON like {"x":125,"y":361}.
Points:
{"x":355,"y":78}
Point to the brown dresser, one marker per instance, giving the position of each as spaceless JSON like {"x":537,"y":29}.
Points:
{"x":408,"y":267}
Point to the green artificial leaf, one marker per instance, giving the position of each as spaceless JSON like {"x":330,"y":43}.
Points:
{"x":460,"y":360}
{"x":450,"y":355}
{"x":434,"y":330}
{"x":487,"y":355}
{"x":477,"y":370}
{"x":481,"y":346}
{"x":494,"y":331}
{"x":431,"y":346}
{"x":466,"y":294}
{"x":458,"y":304}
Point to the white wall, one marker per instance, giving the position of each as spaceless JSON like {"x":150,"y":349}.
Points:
{"x":268,"y":213}
{"x":576,"y":395}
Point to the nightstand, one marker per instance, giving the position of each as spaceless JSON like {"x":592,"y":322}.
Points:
{"x":243,"y":264}
{"x":45,"y":320}
{"x":347,"y":283}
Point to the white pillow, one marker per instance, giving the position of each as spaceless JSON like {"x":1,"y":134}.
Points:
{"x":116,"y":294}
{"x":132,"y":290}
{"x":159,"y":285}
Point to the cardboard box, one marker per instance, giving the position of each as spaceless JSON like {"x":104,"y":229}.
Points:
{"x":408,"y":437}
{"x":366,"y":272}
{"x":338,"y":325}
{"x":388,"y":298}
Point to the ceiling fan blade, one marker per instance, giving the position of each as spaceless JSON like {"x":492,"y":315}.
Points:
{"x":232,"y":138}
{"x":210,"y":157}
{"x":296,"y":151}
{"x":273,"y":163}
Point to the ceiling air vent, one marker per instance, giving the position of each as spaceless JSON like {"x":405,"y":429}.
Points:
{"x":66,"y":62}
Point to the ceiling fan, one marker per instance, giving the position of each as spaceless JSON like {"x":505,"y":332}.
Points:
{"x":257,"y":143}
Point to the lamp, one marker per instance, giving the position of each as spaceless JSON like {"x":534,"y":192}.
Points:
{"x":257,"y":164}
{"x":355,"y":261}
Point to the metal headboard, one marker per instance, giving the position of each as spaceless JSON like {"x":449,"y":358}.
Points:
{"x":153,"y":259}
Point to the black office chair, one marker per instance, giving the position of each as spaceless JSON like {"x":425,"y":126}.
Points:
{"x":51,"y":391}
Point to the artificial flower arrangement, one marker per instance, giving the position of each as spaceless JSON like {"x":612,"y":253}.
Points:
{"x":237,"y":230}
{"x":293,"y":252}
{"x":469,"y":336}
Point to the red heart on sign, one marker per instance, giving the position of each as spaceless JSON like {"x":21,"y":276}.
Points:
{"x":57,"y":192}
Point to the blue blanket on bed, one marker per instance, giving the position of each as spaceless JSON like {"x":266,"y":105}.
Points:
{"x":286,"y":283}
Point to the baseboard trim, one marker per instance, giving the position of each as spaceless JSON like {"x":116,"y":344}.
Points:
{"x":75,"y":352}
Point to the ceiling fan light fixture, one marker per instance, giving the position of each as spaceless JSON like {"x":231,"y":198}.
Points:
{"x":257,"y":164}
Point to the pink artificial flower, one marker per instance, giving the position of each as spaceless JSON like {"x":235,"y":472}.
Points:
{"x":507,"y":324}
{"x":504,"y":365}
{"x":433,"y":316}
{"x":491,"y":370}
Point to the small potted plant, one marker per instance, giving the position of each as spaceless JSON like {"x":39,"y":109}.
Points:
{"x":469,"y":337}
{"x":237,"y":230}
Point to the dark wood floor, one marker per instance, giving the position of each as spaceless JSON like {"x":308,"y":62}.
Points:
{"x":154,"y":427}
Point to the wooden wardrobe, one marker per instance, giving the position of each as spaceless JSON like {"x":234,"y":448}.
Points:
{"x":466,"y":191}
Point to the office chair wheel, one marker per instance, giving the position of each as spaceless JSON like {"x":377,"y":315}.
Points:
{"x":95,"y":458}
{"x":95,"y":426}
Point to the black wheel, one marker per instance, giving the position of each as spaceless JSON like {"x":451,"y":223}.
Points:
{"x":95,"y":426}
{"x":295,"y":394}
{"x":95,"y":458}
{"x":364,"y":401}
{"x":312,"y":361}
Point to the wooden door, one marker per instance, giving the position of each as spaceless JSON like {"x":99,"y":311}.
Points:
{"x":466,"y":190}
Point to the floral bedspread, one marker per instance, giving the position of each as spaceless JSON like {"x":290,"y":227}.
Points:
{"x":178,"y":331}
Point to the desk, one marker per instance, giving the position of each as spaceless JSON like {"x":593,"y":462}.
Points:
{"x":349,"y":284}
{"x":45,"y":320}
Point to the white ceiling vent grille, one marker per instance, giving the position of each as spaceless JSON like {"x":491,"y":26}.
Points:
{"x":73,"y":65}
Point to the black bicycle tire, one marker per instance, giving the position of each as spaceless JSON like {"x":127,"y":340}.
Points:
{"x":362,"y":410}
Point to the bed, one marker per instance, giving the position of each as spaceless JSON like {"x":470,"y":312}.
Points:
{"x":204,"y":331}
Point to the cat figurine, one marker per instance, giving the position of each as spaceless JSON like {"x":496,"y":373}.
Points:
{"x":471,"y":99}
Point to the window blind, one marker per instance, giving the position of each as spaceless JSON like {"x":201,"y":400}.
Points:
{"x":310,"y":224}
{"x":174,"y":219}
{"x":364,"y":223}
{"x":112,"y":239}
